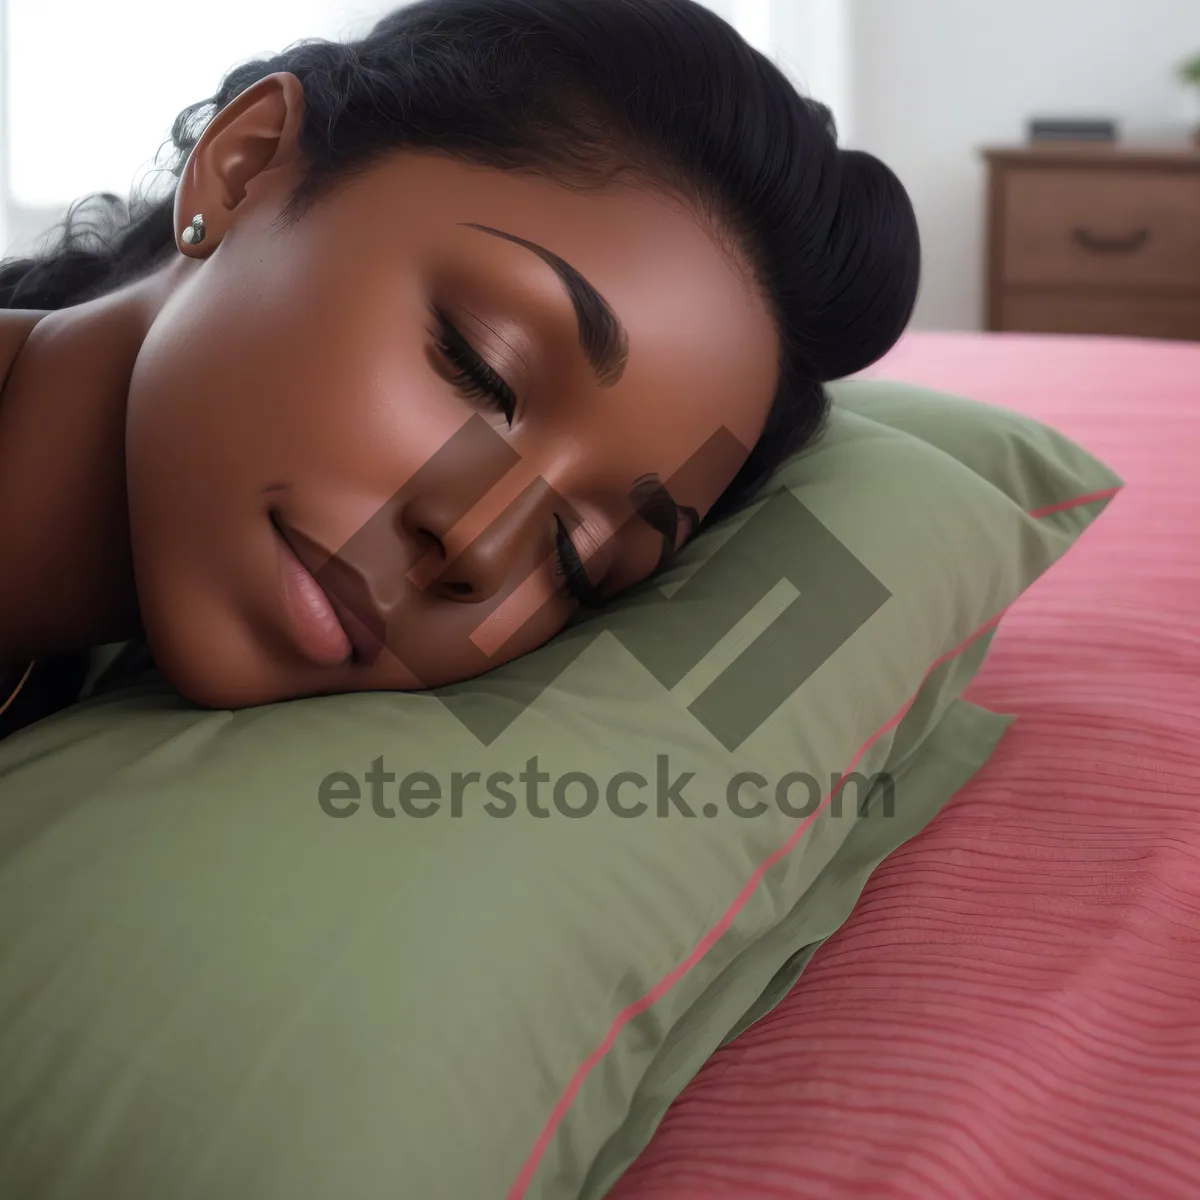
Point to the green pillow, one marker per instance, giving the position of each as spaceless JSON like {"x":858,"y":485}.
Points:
{"x":231,"y":965}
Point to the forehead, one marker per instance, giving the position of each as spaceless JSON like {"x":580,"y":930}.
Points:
{"x":628,"y":214}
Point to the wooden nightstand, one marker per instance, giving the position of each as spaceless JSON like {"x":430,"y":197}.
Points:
{"x":1094,"y":239}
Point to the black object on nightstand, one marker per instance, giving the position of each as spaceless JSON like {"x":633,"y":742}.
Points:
{"x":1071,"y":129}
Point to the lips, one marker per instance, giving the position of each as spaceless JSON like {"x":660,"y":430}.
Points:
{"x":333,"y":617}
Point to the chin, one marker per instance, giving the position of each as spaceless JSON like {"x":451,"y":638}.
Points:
{"x":210,"y":657}
{"x":211,"y":684}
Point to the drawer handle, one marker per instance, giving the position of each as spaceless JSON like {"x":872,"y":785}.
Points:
{"x":1112,"y":245}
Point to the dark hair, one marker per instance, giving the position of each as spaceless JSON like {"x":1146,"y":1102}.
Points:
{"x":582,"y":91}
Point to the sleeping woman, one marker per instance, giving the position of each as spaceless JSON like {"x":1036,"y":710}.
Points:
{"x":439,"y":335}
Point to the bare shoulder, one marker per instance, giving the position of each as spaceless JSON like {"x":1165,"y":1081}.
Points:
{"x":16,"y":324}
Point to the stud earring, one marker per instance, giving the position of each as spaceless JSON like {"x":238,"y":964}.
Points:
{"x":195,"y":231}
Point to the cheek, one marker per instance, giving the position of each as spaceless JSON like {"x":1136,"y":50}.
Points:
{"x":307,"y":390}
{"x":336,"y":404}
{"x":716,"y":429}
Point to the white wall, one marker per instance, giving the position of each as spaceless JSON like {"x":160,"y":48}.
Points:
{"x":933,"y":80}
{"x":105,"y":79}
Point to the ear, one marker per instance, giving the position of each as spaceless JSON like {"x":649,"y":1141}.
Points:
{"x":256,"y":132}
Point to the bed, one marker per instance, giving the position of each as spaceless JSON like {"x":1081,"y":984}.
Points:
{"x":201,"y":974}
{"x":1013,"y":1010}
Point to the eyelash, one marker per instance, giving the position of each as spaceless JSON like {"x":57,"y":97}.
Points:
{"x":476,"y":379}
{"x":479,"y":382}
{"x":569,"y":568}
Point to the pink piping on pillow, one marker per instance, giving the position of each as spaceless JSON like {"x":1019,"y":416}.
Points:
{"x":1076,"y":503}
{"x":710,"y":939}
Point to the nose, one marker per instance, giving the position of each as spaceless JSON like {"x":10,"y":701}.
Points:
{"x":469,"y":551}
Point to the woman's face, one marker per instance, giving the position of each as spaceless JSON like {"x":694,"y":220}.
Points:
{"x":357,"y":448}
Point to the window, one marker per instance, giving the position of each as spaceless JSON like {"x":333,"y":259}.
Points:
{"x":88,"y":91}
{"x":92,"y":88}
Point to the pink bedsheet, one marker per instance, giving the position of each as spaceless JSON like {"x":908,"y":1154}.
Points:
{"x":1013,"y":1010}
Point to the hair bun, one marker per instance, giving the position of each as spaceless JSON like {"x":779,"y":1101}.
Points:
{"x":872,"y":266}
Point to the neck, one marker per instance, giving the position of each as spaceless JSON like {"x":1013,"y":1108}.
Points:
{"x":65,"y":554}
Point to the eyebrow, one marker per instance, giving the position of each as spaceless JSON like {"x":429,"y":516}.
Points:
{"x":601,"y":334}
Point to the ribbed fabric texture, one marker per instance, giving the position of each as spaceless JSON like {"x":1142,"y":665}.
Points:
{"x":1013,"y":1010}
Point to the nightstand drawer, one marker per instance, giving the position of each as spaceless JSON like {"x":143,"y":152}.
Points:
{"x":1124,"y":229}
{"x":1120,"y":315}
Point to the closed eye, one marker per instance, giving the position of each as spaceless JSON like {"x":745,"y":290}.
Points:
{"x":475,"y":379}
{"x":577,"y":585}
{"x":659,"y":509}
